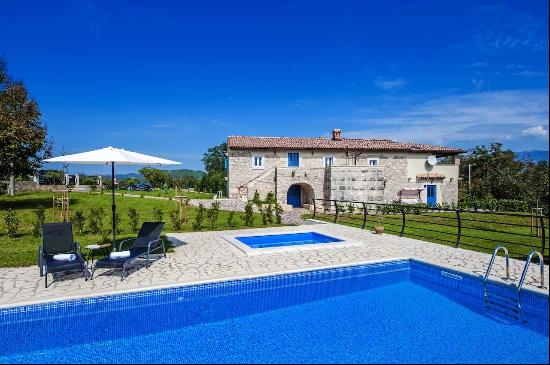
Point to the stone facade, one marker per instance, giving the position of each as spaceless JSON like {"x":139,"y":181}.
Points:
{"x":352,"y":175}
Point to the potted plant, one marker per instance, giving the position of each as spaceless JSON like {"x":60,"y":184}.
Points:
{"x":379,"y":228}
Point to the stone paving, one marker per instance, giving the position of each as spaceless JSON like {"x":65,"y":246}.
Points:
{"x":207,"y":256}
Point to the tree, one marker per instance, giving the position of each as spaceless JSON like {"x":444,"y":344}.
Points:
{"x":53,"y":177}
{"x":214,"y":158}
{"x":23,"y":137}
{"x":157,"y":178}
{"x":214,"y":164}
{"x":186,"y":182}
{"x":535,"y":176}
{"x":214,"y":182}
{"x":496,"y":173}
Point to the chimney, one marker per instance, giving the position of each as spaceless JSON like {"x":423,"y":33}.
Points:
{"x":336,"y":134}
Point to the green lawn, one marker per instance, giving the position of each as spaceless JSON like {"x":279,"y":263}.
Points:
{"x":165,"y":193}
{"x":22,"y":249}
{"x":441,"y":227}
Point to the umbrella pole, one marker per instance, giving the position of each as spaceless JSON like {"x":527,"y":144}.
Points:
{"x":113,"y":206}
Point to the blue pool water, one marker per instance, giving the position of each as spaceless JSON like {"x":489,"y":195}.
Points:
{"x":402,"y":311}
{"x":287,"y":239}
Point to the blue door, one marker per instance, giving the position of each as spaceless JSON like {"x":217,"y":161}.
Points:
{"x":431,"y":195}
{"x":294,"y":196}
{"x":293,"y":159}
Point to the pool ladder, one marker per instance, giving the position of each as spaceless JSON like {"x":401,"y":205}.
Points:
{"x":504,"y":304}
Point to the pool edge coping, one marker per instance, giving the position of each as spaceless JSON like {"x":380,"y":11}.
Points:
{"x":249,"y":251}
{"x":535,"y":290}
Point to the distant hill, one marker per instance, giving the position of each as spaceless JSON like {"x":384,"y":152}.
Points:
{"x":535,"y":155}
{"x":174,"y":173}
{"x":185,"y":172}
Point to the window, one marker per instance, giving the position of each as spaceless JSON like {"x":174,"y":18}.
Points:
{"x":329,"y":161}
{"x":373,"y":161}
{"x":445,"y":160}
{"x":293,"y":159}
{"x":257,"y":162}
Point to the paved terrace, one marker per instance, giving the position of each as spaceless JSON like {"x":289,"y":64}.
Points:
{"x":207,"y":256}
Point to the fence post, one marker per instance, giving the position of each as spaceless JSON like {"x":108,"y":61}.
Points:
{"x":364,"y":215}
{"x":403,"y":222}
{"x":459,"y":225}
{"x":543,"y":234}
{"x":314,"y":209}
{"x":337,"y":210}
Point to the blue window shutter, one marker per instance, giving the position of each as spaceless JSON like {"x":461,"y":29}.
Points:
{"x":293,"y":159}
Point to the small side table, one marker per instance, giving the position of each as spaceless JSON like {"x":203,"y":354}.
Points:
{"x":93,"y":249}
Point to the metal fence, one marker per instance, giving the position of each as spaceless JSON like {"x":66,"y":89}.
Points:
{"x":476,"y":230}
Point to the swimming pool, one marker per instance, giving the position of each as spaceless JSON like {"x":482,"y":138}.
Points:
{"x":286,"y":239}
{"x":399,"y":311}
{"x":292,"y":241}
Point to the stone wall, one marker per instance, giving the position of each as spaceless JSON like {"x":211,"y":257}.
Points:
{"x":29,"y":186}
{"x":395,"y":175}
{"x":357,"y":183}
{"x":241,"y":172}
{"x":449,"y":192}
{"x":342,"y":181}
{"x":311,"y":179}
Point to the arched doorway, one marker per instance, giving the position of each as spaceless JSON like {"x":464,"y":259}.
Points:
{"x":299,"y":194}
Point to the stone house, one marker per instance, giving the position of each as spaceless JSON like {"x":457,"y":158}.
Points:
{"x":297,"y":170}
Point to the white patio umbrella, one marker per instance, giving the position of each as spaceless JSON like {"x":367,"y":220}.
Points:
{"x":111,"y":155}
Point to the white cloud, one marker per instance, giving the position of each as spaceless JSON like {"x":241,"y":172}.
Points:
{"x":478,"y":83}
{"x":537,"y":131}
{"x":462,"y":120}
{"x":475,"y":65}
{"x":390,"y":84}
{"x":530,"y":73}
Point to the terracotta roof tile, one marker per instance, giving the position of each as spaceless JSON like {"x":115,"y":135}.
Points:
{"x":322,"y":143}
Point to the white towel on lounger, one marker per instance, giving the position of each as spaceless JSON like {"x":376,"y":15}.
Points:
{"x":119,"y":255}
{"x":65,"y":257}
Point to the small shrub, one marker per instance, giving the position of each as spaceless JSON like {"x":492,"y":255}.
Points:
{"x":141,"y":195}
{"x":39,"y":219}
{"x":105,"y":237}
{"x":117,"y":223}
{"x":351,"y":208}
{"x":79,"y":221}
{"x":270,"y":198}
{"x":133,"y":215}
{"x":12,"y":222}
{"x":199,"y":218}
{"x":269,"y":213}
{"x":232,"y":220}
{"x":158,"y":214}
{"x":263,"y":215}
{"x":249,"y":214}
{"x":212,"y":214}
{"x":175,"y":219}
{"x":256,"y":199}
{"x":278,"y":213}
{"x":95,"y":221}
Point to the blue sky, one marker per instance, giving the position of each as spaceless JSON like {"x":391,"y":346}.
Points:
{"x":172,"y":78}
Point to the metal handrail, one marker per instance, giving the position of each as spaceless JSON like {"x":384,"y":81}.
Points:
{"x":506,"y":255}
{"x":526,"y":269}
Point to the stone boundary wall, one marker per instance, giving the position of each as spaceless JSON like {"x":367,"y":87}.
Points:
{"x":29,"y":186}
{"x":225,"y":204}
